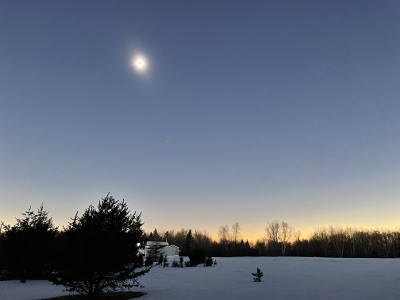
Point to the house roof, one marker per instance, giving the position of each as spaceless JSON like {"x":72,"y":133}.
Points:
{"x":156,"y":243}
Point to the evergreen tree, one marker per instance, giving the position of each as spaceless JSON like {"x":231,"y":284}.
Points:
{"x":175,"y":264}
{"x":160,"y":260}
{"x":208,"y":262}
{"x":154,"y":236}
{"x":98,"y":251}
{"x":189,"y":242}
{"x":28,"y":245}
{"x":181,"y":261}
{"x":2,"y":241}
{"x":149,"y":261}
{"x":257,"y":275}
{"x":165,"y":262}
{"x":197,"y":256}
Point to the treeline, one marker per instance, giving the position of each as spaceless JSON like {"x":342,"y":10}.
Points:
{"x":349,"y":242}
{"x":34,"y":247}
{"x":281,"y":239}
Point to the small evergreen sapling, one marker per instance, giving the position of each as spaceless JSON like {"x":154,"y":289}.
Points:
{"x":181,"y":261}
{"x":165,"y":262}
{"x":208,"y":262}
{"x":149,"y":262}
{"x":257,"y":275}
{"x":175,"y":264}
{"x":160,"y":260}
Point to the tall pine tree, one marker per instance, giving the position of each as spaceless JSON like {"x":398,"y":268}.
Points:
{"x":189,"y":242}
{"x":98,"y":251}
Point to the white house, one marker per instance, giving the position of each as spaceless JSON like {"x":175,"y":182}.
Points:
{"x":171,"y":250}
{"x":156,"y":248}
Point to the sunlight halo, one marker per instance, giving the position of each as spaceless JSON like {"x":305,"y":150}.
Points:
{"x":139,"y":63}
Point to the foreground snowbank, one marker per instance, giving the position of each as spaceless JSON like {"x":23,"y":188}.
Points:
{"x":284,"y":278}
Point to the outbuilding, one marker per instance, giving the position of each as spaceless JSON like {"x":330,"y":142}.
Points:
{"x":156,"y":248}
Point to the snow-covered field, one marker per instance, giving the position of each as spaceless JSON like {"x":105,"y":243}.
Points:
{"x":284,"y":278}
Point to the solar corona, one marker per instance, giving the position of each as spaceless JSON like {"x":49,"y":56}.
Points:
{"x":139,"y":63}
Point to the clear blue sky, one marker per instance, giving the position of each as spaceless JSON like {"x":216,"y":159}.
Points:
{"x":249,"y":111}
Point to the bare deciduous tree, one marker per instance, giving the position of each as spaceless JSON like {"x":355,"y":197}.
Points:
{"x":272,"y":230}
{"x":202,"y":238}
{"x":350,"y":240}
{"x":338,"y":238}
{"x":363,"y":243}
{"x":279,"y":234}
{"x":285,"y":234}
{"x":320,"y":241}
{"x":235,"y":236}
{"x":223,"y":234}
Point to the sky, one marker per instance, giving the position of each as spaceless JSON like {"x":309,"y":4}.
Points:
{"x":246,"y":111}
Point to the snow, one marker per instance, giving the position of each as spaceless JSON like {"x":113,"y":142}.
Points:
{"x":284,"y":278}
{"x":32,"y":289}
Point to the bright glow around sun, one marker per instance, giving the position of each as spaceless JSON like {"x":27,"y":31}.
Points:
{"x":139,"y":63}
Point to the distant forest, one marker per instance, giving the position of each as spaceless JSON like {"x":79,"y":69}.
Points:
{"x":281,"y":239}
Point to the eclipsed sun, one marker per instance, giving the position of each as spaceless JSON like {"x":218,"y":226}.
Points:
{"x":139,"y":63}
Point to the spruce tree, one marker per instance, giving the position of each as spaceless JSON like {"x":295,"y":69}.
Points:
{"x":28,"y":245}
{"x":165,"y":262}
{"x":208,"y":262}
{"x":257,"y":275}
{"x":98,"y":251}
{"x":160,"y":260}
{"x":189,"y":242}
